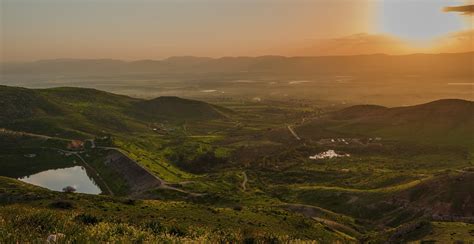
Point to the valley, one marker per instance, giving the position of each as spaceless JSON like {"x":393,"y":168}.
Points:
{"x":237,"y":121}
{"x":388,"y":80}
{"x":174,"y":169}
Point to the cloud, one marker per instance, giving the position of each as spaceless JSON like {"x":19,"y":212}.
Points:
{"x":466,"y":9}
{"x":350,"y":45}
{"x":376,"y":43}
{"x":456,"y":42}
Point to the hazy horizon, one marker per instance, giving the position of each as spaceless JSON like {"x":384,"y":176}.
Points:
{"x":224,"y":57}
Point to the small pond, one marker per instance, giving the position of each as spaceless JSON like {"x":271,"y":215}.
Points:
{"x":57,"y":179}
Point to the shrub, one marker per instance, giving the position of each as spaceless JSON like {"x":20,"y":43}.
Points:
{"x":155,"y":227}
{"x":62,"y":204}
{"x":130,"y":201}
{"x":238,"y":208}
{"x":177,"y":231}
{"x":87,"y":219}
{"x":69,"y":189}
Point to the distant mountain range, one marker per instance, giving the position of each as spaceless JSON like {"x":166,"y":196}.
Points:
{"x":415,"y":64}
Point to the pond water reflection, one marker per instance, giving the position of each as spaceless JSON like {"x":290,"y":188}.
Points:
{"x":57,"y":179}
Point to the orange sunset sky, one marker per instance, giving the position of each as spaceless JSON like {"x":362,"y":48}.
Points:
{"x":147,"y":29}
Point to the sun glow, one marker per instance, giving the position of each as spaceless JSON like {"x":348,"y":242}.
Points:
{"x":418,"y":20}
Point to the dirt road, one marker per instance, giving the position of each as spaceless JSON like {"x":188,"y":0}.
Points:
{"x":244,"y":182}
{"x":294,"y":133}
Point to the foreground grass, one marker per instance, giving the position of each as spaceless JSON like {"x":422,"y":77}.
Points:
{"x":30,"y":214}
{"x":26,"y":224}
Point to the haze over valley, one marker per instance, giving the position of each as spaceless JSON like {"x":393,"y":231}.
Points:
{"x":393,"y":80}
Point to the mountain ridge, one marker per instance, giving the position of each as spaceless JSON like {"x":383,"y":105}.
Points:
{"x":171,"y":58}
{"x":431,"y":64}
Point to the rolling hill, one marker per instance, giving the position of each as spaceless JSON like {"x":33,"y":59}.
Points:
{"x":445,"y":196}
{"x":21,"y":103}
{"x":177,"y":108}
{"x":448,"y":110}
{"x":79,"y":112}
{"x":448,"y":121}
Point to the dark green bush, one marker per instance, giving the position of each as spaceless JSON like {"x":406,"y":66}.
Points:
{"x":87,"y":219}
{"x":177,"y":231}
{"x":155,"y":226}
{"x":62,"y":204}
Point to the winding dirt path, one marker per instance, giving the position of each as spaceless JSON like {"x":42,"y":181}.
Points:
{"x":322,"y":215}
{"x":20,"y":133}
{"x":244,"y":182}
{"x":293,"y":133}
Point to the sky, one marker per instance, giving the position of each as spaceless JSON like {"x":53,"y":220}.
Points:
{"x":156,"y":29}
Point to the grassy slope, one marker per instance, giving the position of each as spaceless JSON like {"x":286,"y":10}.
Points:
{"x":448,"y":121}
{"x":79,"y":112}
{"x":31,"y":213}
{"x":177,"y":108}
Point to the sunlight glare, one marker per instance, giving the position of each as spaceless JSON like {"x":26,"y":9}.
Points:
{"x":418,"y":20}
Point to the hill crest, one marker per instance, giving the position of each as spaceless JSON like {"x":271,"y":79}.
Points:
{"x":444,"y":107}
{"x":178,"y":108}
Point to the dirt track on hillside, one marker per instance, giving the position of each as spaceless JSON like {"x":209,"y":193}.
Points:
{"x":244,"y":182}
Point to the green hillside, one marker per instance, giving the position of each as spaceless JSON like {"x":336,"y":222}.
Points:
{"x":445,"y":195}
{"x":448,"y":111}
{"x":21,"y":103}
{"x":449,"y":121}
{"x":81,"y":113}
{"x":177,"y":108}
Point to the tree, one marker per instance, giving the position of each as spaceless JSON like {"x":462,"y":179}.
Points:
{"x":69,"y":189}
